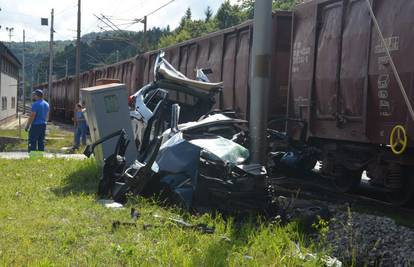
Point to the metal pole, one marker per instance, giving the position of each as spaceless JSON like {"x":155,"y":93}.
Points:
{"x":145,"y":35}
{"x":51,"y":65}
{"x":66,"y":68}
{"x":260,"y":79}
{"x":20,"y":125}
{"x":393,"y":67}
{"x":31,"y":83}
{"x":77,"y":74}
{"x":23,"y":72}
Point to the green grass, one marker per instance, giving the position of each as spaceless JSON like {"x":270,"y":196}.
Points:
{"x":49,"y":217}
{"x":56,"y":139}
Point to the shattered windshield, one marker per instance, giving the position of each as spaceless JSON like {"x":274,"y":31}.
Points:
{"x":224,"y":149}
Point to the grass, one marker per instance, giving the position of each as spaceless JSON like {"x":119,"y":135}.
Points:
{"x":56,"y":139}
{"x":49,"y":217}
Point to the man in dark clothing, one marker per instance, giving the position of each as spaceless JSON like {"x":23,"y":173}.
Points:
{"x":37,"y":122}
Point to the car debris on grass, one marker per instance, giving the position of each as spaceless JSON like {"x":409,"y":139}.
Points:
{"x":190,"y":155}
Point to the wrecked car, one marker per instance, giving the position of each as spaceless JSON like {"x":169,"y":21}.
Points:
{"x":151,"y":108}
{"x":190,"y":155}
{"x":190,"y":170}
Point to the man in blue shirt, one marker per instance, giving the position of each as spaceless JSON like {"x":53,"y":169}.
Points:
{"x":37,"y":122}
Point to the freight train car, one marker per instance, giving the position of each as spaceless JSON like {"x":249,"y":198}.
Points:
{"x":226,"y":53}
{"x":342,"y":86}
{"x":63,"y":90}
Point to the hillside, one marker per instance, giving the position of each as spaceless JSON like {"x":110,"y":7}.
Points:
{"x":103,"y":48}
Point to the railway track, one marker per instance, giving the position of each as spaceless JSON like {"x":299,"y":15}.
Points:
{"x":25,"y":109}
{"x":366,"y":198}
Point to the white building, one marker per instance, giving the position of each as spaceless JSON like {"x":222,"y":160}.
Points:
{"x":9,"y":79}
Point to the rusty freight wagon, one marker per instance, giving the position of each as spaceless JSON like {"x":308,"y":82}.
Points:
{"x":63,"y":90}
{"x":342,"y":86}
{"x":226,"y":53}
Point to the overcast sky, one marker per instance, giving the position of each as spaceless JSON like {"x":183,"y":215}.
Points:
{"x":26,"y":14}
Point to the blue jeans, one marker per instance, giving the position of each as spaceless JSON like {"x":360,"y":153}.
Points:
{"x":37,"y":137}
{"x":80,"y":133}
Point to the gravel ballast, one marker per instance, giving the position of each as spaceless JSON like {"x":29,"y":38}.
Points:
{"x":371,"y":240}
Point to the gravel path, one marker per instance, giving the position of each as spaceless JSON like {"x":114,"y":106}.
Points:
{"x":25,"y":155}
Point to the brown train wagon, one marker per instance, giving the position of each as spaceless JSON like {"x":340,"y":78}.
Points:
{"x":63,"y":94}
{"x":342,"y":85}
{"x":227,"y":54}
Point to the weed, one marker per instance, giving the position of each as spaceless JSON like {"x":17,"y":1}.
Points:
{"x":49,"y":216}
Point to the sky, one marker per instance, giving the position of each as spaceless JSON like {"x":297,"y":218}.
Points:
{"x":26,"y":14}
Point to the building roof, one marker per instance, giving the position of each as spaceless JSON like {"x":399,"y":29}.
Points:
{"x":6,"y":52}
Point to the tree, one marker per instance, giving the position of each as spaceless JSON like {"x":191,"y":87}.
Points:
{"x":229,"y":15}
{"x":248,"y":6}
{"x":188,"y":14}
{"x":209,"y":13}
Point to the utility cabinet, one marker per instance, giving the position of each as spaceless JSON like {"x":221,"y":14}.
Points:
{"x":106,"y":112}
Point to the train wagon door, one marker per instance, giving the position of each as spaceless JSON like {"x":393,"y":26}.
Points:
{"x":341,"y":70}
{"x":327,"y":60}
{"x":353,"y":86}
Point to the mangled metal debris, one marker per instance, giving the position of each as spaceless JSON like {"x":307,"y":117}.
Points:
{"x":189,"y":155}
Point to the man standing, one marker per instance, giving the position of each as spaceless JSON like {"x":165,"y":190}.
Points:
{"x":81,"y":127}
{"x":37,"y":122}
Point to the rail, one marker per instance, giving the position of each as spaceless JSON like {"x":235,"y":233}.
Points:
{"x":23,"y":109}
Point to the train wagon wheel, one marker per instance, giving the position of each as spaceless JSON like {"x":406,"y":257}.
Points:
{"x":346,"y":180}
{"x":404,"y":193}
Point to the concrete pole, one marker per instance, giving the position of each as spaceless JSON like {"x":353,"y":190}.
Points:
{"x":51,"y":65}
{"x":32,"y":78}
{"x":145,"y":46}
{"x":77,"y":69}
{"x":23,"y":72}
{"x":66,"y":69}
{"x":260,"y":79}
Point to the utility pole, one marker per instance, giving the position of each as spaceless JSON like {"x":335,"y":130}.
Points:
{"x":145,"y":46}
{"x":77,"y":74}
{"x":10,"y":30}
{"x":66,"y":68}
{"x":51,"y":65}
{"x":117,"y":55}
{"x":31,"y":80}
{"x":260,"y":82}
{"x":23,"y":72}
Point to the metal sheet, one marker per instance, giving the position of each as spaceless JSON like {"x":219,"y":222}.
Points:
{"x":354,"y":93}
{"x":302,"y":65}
{"x":327,"y":60}
{"x":241,"y":80}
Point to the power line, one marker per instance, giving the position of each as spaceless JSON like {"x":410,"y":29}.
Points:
{"x":158,"y":9}
{"x":142,"y":18}
{"x":113,"y":27}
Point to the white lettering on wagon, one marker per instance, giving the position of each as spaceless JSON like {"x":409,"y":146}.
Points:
{"x":393,"y":44}
{"x":300,"y":56}
{"x":301,"y":104}
{"x":383,"y":95}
